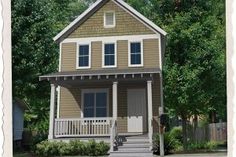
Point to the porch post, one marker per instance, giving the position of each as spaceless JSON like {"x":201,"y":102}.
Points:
{"x":150,"y":115}
{"x":114,"y":98}
{"x":52,"y":112}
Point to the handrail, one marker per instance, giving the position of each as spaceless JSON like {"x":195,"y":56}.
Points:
{"x":113,"y":135}
{"x":82,"y":127}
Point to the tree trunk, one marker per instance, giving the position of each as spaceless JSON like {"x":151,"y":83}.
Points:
{"x":195,"y":124}
{"x":184,"y":126}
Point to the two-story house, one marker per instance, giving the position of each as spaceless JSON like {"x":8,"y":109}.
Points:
{"x":109,"y":82}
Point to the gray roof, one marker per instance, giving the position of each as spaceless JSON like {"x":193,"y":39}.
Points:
{"x":101,"y":72}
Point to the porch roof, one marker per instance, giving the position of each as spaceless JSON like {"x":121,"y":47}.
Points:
{"x":99,"y":73}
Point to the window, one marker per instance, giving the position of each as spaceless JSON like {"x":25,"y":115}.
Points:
{"x":135,"y":54}
{"x":95,"y":103}
{"x":83,"y":58}
{"x":109,"y":55}
{"x":109,"y":19}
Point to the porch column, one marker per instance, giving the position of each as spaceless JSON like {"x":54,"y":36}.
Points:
{"x":150,"y":115}
{"x":114,"y":98}
{"x":52,"y":112}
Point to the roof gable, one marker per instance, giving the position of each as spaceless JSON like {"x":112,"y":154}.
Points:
{"x":144,"y":23}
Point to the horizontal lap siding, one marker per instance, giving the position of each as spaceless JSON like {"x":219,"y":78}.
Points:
{"x":151,"y":53}
{"x":68,"y":57}
{"x":150,"y":46}
{"x":156,"y":96}
{"x":126,"y":24}
{"x":70,"y":100}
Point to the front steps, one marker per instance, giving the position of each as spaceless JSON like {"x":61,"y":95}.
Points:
{"x":135,"y":146}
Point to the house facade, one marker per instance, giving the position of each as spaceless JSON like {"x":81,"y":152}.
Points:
{"x":110,"y":74}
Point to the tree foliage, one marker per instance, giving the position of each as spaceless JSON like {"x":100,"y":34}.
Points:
{"x":34,"y":24}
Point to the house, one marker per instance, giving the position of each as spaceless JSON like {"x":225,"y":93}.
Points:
{"x":19,"y":107}
{"x":109,"y":82}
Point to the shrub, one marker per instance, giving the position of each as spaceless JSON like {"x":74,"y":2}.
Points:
{"x":170,"y":143}
{"x":177,"y":133}
{"x":91,"y":148}
{"x":202,"y":145}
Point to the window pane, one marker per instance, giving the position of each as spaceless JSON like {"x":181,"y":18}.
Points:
{"x":88,"y":112}
{"x":135,"y":58}
{"x":109,"y":60}
{"x":101,"y":99}
{"x":135,"y":48}
{"x":101,"y":112}
{"x":84,"y":50}
{"x":109,"y":49}
{"x":109,"y":19}
{"x":89,"y":100}
{"x":83,"y":61}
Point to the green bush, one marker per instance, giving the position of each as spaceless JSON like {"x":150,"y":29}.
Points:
{"x":177,"y":133}
{"x":91,"y":148}
{"x":170,"y":143}
{"x":209,"y":146}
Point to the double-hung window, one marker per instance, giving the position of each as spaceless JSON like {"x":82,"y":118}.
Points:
{"x":83,"y":56}
{"x":135,"y":54}
{"x":109,"y":55}
{"x":95,"y":103}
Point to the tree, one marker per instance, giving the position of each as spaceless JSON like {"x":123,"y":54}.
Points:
{"x":34,"y":24}
{"x":194,"y":67}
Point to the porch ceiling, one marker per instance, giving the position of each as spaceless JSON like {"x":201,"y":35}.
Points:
{"x":107,"y":74}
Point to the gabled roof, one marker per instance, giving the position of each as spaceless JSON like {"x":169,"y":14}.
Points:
{"x":97,"y":5}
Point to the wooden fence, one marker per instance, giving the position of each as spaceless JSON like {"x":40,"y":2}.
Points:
{"x":212,"y":132}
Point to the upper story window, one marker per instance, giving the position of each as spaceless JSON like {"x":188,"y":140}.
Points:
{"x":109,"y":19}
{"x":135,"y":54}
{"x":109,"y":55}
{"x":83,"y":56}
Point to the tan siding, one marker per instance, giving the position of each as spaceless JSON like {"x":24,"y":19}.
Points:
{"x":68,"y":57}
{"x":70,"y":100}
{"x":122,"y":54}
{"x":96,"y":55}
{"x":151,"y":53}
{"x":156,"y":96}
{"x":150,"y":50}
{"x":126,"y":24}
{"x":70,"y":106}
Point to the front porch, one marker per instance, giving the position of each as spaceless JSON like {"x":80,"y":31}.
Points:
{"x":111,"y":104}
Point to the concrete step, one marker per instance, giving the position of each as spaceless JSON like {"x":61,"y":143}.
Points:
{"x":131,"y":153}
{"x":138,"y":140}
{"x":134,"y":149}
{"x":135,"y":145}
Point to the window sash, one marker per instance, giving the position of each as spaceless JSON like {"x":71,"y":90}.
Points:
{"x":95,"y":109}
{"x":109,"y":55}
{"x":135,"y":53}
{"x":83,"y":56}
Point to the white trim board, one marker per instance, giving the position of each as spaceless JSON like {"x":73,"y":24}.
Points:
{"x":123,"y":5}
{"x":112,"y":38}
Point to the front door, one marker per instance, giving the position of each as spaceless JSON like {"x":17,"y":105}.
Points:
{"x":137,"y":110}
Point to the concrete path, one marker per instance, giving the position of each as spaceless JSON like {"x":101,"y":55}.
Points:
{"x":199,"y":155}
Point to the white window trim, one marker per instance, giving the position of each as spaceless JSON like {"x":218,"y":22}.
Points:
{"x":103,"y":54}
{"x":129,"y":53}
{"x":77,"y":55}
{"x":114,"y":19}
{"x":96,"y":90}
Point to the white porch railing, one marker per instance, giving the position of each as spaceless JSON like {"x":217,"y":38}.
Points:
{"x":113,"y":136}
{"x":83,"y":127}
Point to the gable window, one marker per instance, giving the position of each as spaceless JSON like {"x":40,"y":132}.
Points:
{"x":83,"y":56}
{"x":109,"y":19}
{"x":109,"y":55}
{"x":135,"y":54}
{"x":95,"y":103}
